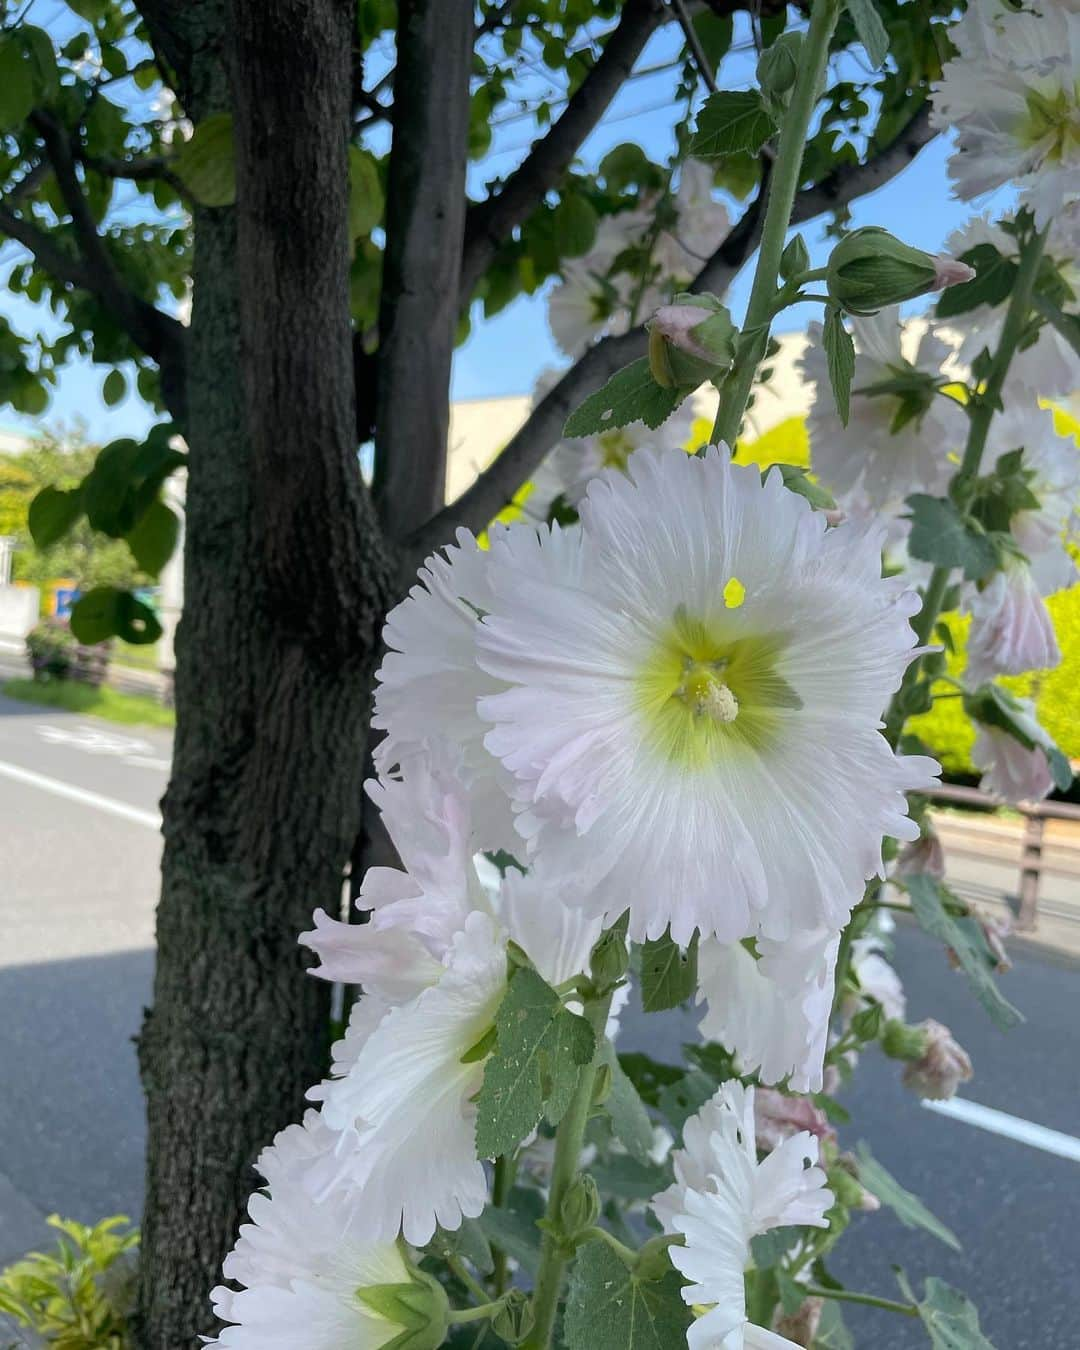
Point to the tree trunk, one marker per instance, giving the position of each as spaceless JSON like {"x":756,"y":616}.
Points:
{"x":285,"y":587}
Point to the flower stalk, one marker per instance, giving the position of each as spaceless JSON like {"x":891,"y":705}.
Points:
{"x":783,"y":184}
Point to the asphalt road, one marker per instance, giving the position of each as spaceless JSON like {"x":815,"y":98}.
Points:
{"x":78,"y":879}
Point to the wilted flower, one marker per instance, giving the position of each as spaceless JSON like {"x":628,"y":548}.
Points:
{"x":1011,"y":749}
{"x":924,"y":856}
{"x":1011,"y":629}
{"x":780,"y":1115}
{"x":801,"y":1326}
{"x":942,"y":1066}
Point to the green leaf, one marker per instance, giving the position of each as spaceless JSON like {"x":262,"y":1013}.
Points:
{"x":106,"y":612}
{"x":153,"y":537}
{"x":796,"y":479}
{"x":108,"y":491}
{"x":624,"y":1179}
{"x":870,"y":29}
{"x":668,"y":974}
{"x":52,"y":513}
{"x":575,"y":226}
{"x":467,"y":1241}
{"x":964,"y":937}
{"x":908,"y":1208}
{"x":951,"y":1319}
{"x":608,"y":1308}
{"x":1060,"y":768}
{"x":769,"y":1249}
{"x":206,"y":164}
{"x":114,"y":388}
{"x":840,"y":358}
{"x":681,"y":1100}
{"x":16,"y":85}
{"x":629,"y":1119}
{"x":732,"y":122}
{"x":992,"y":284}
{"x":512,"y":1227}
{"x":832,"y":1334}
{"x":941,"y":535}
{"x":631,"y":395}
{"x":365,"y":193}
{"x":535,"y":1066}
{"x":715,"y":32}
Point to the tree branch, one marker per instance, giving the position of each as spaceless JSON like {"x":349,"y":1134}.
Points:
{"x":137,"y":170}
{"x":489,"y":223}
{"x":496,"y":486}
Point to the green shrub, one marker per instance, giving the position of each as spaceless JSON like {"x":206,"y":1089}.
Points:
{"x":51,"y":647}
{"x":78,"y":1296}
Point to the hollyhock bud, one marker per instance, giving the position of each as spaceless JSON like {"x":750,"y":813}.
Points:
{"x":856,"y":1197}
{"x":900,"y":1041}
{"x":777,"y":1117}
{"x":515,"y":1319}
{"x":690,"y":341}
{"x":943,"y":1066}
{"x":870,"y":268}
{"x":778,"y":67}
{"x":419,"y":1307}
{"x":610,"y":958}
{"x":801,"y":1326}
{"x":924,"y":856}
{"x":580,"y":1207}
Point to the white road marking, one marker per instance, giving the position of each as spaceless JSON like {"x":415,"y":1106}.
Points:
{"x":151,"y":819}
{"x":1011,"y":1127}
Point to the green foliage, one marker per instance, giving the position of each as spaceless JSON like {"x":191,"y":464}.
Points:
{"x":51,"y":647}
{"x":79,"y":1295}
{"x":609,"y":1307}
{"x":532,"y":1073}
{"x":631,"y":395}
{"x":365,"y":193}
{"x":870,"y":29}
{"x":931,"y":903}
{"x":668,"y":973}
{"x":908,"y":1208}
{"x":991,"y":285}
{"x":629,"y":1119}
{"x":206,"y":164}
{"x":109,"y":704}
{"x":840,"y":358}
{"x":732,"y":122}
{"x":951,"y":1320}
{"x":941,"y":535}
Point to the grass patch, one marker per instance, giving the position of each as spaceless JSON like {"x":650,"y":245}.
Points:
{"x":127,"y":709}
{"x":137,"y":656}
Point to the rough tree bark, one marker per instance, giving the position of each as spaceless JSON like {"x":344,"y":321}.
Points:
{"x":285,"y":584}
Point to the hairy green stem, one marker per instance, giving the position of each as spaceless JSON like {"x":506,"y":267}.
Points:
{"x":504,"y":1180}
{"x":569,"y":1137}
{"x":460,"y":1316}
{"x":870,"y":1300}
{"x":626,"y":1254}
{"x":783,"y":184}
{"x":982,"y":414}
{"x":455,"y":1264}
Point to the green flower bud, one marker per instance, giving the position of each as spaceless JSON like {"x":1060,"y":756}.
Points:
{"x":903,"y":1042}
{"x":602,"y":1085}
{"x":580,"y":1207}
{"x":845,"y":1187}
{"x":419,"y":1307}
{"x":691,"y":341}
{"x":515,"y":1319}
{"x":610,"y":959}
{"x":653,"y":1261}
{"x":870,"y":268}
{"x":778,"y":67}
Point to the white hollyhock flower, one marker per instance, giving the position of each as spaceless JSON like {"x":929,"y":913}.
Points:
{"x":772,"y":1012}
{"x":1011,"y":629}
{"x":702,"y":225}
{"x":692,"y":719}
{"x":404,"y":1107}
{"x":301,"y":1261}
{"x":587,"y":301}
{"x":877,"y":979}
{"x":1011,"y":771}
{"x":1048,"y":366}
{"x":1011,"y":100}
{"x":722,"y":1198}
{"x":895,"y":442}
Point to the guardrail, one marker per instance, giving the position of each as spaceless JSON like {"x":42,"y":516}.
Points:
{"x":1032,"y":862}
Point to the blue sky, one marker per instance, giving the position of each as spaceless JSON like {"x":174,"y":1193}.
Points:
{"x":504,"y":355}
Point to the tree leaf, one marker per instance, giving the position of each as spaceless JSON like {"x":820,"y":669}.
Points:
{"x":965,"y":938}
{"x":941,"y":535}
{"x":16,"y":85}
{"x":575,"y":226}
{"x":608,"y":1308}
{"x":732,"y":122}
{"x":114,"y":388}
{"x":631,"y":395}
{"x":629,"y":1119}
{"x":908,"y":1208}
{"x":950,"y":1318}
{"x":870,"y":29}
{"x":153,"y":537}
{"x":365,"y":193}
{"x":540,"y":1050}
{"x":840,"y":358}
{"x":107,"y":611}
{"x":668,"y":974}
{"x":52,"y":513}
{"x":206,"y":164}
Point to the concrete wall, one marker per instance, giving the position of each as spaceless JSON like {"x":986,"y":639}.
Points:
{"x":18,"y":610}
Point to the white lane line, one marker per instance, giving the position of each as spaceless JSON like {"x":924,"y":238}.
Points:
{"x":151,"y":819}
{"x":1011,"y":1127}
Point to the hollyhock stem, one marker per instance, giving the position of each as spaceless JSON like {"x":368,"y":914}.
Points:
{"x":989,"y":400}
{"x":869,"y":1300}
{"x":569,"y":1138}
{"x":783,"y":184}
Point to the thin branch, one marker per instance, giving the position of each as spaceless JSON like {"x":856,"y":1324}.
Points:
{"x":68,"y":271}
{"x":491,"y":222}
{"x":697,"y":51}
{"x":137,"y":170}
{"x":496,"y":486}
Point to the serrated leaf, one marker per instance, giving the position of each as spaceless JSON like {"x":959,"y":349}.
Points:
{"x":908,"y":1208}
{"x":468,"y":1241}
{"x":840,"y":359}
{"x":153,"y":537}
{"x":534,"y":1068}
{"x":608,"y":1308}
{"x":964,"y":938}
{"x":769,"y":1249}
{"x":870,"y":29}
{"x":668,"y":974}
{"x":365,"y":193}
{"x":629,"y":1119}
{"x":732,"y":122}
{"x":950,"y":1318}
{"x":512,"y":1227}
{"x":52,"y":513}
{"x":942,"y":536}
{"x":995,"y":276}
{"x":631,"y":395}
{"x":206,"y":164}
{"x":575,"y":226}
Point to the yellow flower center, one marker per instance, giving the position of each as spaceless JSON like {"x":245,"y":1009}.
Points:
{"x":1055,"y":119}
{"x":704,"y":692}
